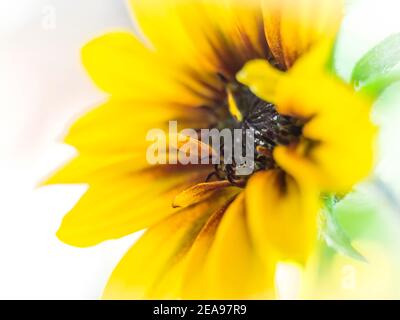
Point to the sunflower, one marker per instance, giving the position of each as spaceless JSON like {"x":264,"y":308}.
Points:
{"x":215,"y":64}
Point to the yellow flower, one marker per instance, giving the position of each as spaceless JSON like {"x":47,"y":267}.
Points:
{"x":222,"y":238}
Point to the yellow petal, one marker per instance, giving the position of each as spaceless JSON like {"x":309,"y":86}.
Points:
{"x":293,"y":26}
{"x":122,"y":66}
{"x":271,"y":84}
{"x":340,"y":126}
{"x":121,"y":126}
{"x":272,"y":12}
{"x":87,"y":168}
{"x":207,"y":35}
{"x":233,"y":107}
{"x":282,"y":215}
{"x":233,"y":268}
{"x":195,"y":283}
{"x":153,"y":268}
{"x":314,"y":61}
{"x":198,"y":193}
{"x":262,"y":79}
{"x":223,"y":264}
{"x":119,"y":206}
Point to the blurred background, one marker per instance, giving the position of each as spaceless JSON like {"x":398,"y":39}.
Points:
{"x":43,"y":88}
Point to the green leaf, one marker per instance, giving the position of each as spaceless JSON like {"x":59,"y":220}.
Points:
{"x":376,"y":86}
{"x":378,"y":61}
{"x":333,"y":233}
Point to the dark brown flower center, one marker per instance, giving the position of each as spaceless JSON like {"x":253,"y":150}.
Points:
{"x":267,"y":126}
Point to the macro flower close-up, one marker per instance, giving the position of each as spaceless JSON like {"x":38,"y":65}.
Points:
{"x":230,"y":138}
{"x":212,"y":233}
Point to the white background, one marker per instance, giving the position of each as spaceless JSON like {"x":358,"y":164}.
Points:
{"x":42,"y":88}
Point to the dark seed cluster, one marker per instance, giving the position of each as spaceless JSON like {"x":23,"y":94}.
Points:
{"x":269,"y":128}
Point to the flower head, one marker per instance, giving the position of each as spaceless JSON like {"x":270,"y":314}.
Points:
{"x":217,"y":235}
